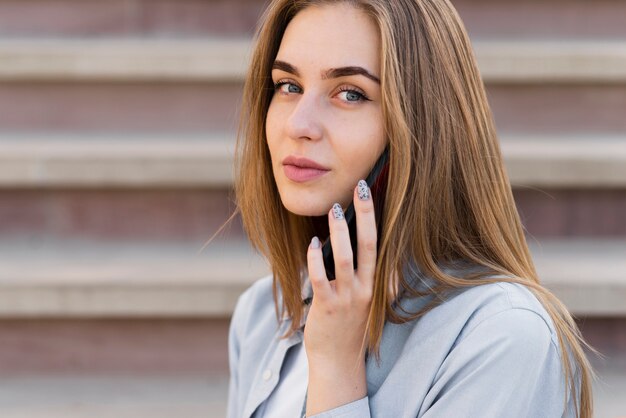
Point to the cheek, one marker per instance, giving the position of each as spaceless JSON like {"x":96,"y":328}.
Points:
{"x":360,"y":141}
{"x":272,"y":130}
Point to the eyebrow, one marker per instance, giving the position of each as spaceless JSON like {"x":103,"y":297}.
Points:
{"x":330,"y":73}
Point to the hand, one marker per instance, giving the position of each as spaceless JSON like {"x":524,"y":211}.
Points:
{"x":336,"y":322}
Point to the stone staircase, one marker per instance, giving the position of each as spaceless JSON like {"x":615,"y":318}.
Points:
{"x":117,"y":125}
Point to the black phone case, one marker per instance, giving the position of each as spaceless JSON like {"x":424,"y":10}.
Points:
{"x":375,"y":180}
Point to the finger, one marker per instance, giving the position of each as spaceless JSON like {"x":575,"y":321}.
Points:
{"x":342,"y":251}
{"x":366,"y":233}
{"x":317,"y":273}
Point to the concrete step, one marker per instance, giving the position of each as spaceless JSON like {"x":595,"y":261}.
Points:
{"x":168,"y":396}
{"x":225,"y":60}
{"x":553,"y":61}
{"x":83,"y":279}
{"x":588,"y":275}
{"x":124,"y":59}
{"x":127,"y":161}
{"x":113,"y":396}
{"x":565,"y":162}
{"x":205,"y":160}
{"x":95,"y":280}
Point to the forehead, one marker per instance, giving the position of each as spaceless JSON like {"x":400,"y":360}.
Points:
{"x":330,"y":36}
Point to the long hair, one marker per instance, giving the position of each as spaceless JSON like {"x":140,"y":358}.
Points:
{"x":450,"y":198}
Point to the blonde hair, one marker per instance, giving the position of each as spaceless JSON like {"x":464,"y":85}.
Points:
{"x":450,"y":199}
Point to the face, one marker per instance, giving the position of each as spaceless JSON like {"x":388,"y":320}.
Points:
{"x":326,"y":107}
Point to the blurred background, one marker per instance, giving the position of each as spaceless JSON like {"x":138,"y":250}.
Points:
{"x":117,"y":125}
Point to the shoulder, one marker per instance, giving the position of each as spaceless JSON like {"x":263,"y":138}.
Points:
{"x":501,"y":310}
{"x":257,"y":300}
{"x":502,"y":338}
{"x":507,"y":310}
{"x":257,"y":292}
{"x":496,"y":335}
{"x":495,"y":305}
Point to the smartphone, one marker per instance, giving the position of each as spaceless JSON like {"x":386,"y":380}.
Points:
{"x":377,"y":182}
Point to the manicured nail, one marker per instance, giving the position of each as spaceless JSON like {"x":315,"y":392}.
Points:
{"x":337,"y":211}
{"x":315,"y":243}
{"x":363,"y":190}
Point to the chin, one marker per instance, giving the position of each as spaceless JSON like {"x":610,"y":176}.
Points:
{"x":302,"y":202}
{"x":302,"y":208}
{"x":312,"y":202}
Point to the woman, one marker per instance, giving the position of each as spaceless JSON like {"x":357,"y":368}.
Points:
{"x":446,"y":297}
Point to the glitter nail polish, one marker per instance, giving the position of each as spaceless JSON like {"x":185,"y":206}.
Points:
{"x":363,"y":190}
{"x":337,"y":211}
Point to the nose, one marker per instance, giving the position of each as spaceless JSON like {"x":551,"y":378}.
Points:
{"x":304,"y":121}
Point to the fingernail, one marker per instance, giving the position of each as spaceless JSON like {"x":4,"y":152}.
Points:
{"x":337,"y":211}
{"x":363,"y":190}
{"x":315,"y":243}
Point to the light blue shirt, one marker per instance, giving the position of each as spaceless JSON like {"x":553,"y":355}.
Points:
{"x":287,"y":399}
{"x":488,"y":351}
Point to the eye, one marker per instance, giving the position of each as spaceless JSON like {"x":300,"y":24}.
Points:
{"x":353,"y":95}
{"x":290,"y":87}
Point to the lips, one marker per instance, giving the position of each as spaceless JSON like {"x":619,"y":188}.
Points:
{"x":303,"y":163}
{"x":300,"y":169}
